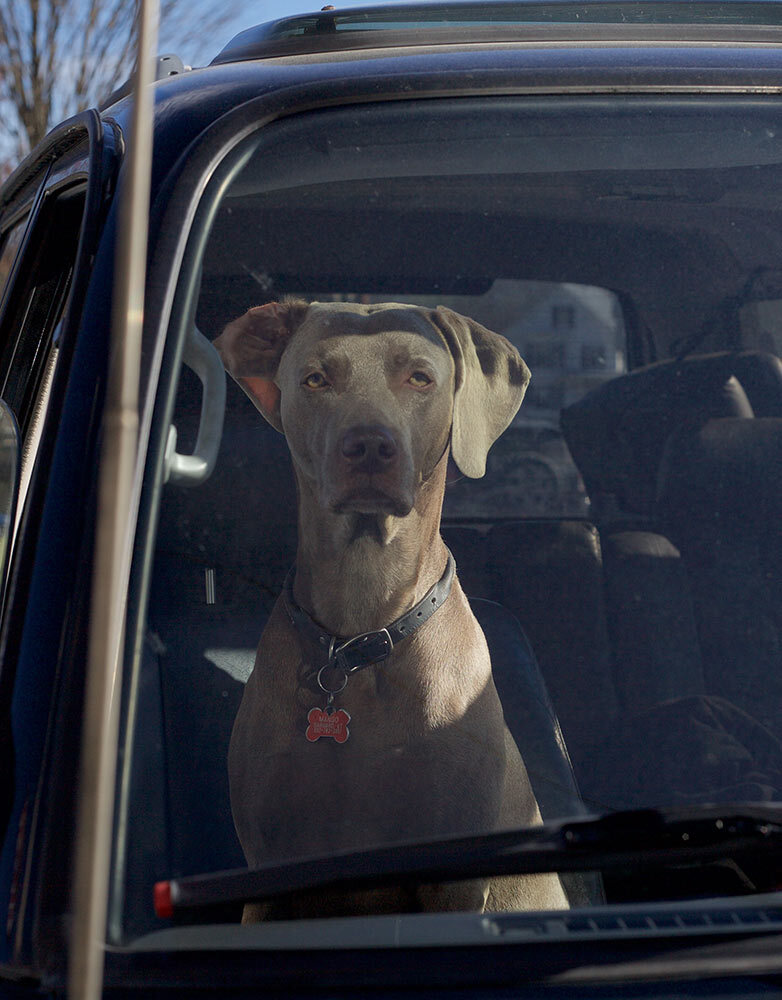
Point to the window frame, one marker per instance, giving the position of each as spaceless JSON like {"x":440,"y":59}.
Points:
{"x":174,"y":261}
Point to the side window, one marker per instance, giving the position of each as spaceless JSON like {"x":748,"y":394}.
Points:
{"x":35,"y":308}
{"x":39,"y":295}
{"x":40,"y":303}
{"x":10,"y":241}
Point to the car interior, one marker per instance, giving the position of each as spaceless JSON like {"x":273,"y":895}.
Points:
{"x":622,"y":553}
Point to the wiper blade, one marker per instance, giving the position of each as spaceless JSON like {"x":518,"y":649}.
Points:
{"x":640,"y":837}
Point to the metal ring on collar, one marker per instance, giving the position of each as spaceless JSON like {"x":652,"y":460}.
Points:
{"x":323,"y":687}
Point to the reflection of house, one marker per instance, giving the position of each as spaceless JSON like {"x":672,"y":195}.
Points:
{"x":571,"y":337}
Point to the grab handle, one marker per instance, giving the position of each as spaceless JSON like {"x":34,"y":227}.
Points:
{"x":191,"y":470}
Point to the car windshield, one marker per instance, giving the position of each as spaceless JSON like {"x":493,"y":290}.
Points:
{"x":372,"y":278}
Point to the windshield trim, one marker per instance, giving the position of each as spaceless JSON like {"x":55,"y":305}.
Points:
{"x":650,"y":921}
{"x":448,"y":949}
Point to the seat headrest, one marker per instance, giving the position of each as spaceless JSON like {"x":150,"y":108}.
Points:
{"x":761,"y":376}
{"x":728,"y":472}
{"x":617,"y":432}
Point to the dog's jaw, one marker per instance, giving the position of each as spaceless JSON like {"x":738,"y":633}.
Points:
{"x":372,"y":502}
{"x":377,"y":528}
{"x":375,"y":554}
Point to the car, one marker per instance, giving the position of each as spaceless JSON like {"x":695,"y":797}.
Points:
{"x":600,"y":184}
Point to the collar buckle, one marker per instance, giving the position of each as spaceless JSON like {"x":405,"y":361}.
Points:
{"x":363,"y":650}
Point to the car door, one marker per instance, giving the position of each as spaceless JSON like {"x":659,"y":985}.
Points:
{"x":52,"y":211}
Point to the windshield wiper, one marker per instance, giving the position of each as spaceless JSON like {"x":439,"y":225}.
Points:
{"x":642,"y":837}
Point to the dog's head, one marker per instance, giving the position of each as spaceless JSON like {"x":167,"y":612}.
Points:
{"x":369,"y":395}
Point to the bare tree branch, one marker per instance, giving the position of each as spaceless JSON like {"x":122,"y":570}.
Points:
{"x":60,"y":56}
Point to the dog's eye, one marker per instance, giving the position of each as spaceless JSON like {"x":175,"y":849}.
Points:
{"x":419,"y":380}
{"x":316,"y":380}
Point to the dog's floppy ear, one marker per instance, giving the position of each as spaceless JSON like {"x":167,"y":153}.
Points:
{"x":251,"y":347}
{"x":491,"y":379}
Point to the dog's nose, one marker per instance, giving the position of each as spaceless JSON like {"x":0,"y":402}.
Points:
{"x":368,"y":448}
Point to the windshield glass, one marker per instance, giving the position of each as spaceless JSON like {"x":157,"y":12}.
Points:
{"x":379,"y":283}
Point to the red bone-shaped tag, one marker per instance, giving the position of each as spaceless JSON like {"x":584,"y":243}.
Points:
{"x":323,"y":723}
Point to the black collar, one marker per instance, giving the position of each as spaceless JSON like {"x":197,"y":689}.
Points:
{"x":359,"y":651}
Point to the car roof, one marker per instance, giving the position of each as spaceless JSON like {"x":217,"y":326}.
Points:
{"x":380,"y":62}
{"x":432,"y":23}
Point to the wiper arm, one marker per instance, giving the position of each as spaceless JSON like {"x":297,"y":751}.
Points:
{"x":639,"y":837}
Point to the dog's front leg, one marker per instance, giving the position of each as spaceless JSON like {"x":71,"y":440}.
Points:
{"x":253,"y":913}
{"x":470,"y":896}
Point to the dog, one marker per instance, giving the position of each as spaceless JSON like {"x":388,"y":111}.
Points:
{"x":351,"y":733}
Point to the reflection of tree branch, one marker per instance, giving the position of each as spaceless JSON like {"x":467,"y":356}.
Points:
{"x":60,"y":56}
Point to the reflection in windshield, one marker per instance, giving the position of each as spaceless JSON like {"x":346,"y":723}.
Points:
{"x":620,"y":553}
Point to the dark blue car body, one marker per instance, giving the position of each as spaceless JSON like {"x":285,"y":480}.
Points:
{"x":66,"y":192}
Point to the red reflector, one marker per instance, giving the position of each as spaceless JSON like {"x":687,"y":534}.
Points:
{"x":164,"y":906}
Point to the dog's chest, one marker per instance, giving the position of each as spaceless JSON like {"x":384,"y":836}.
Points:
{"x":417,"y":727}
{"x":373,"y":709}
{"x":325,"y":790}
{"x":380,"y":786}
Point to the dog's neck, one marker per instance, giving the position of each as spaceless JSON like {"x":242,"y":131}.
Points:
{"x":358,"y":572}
